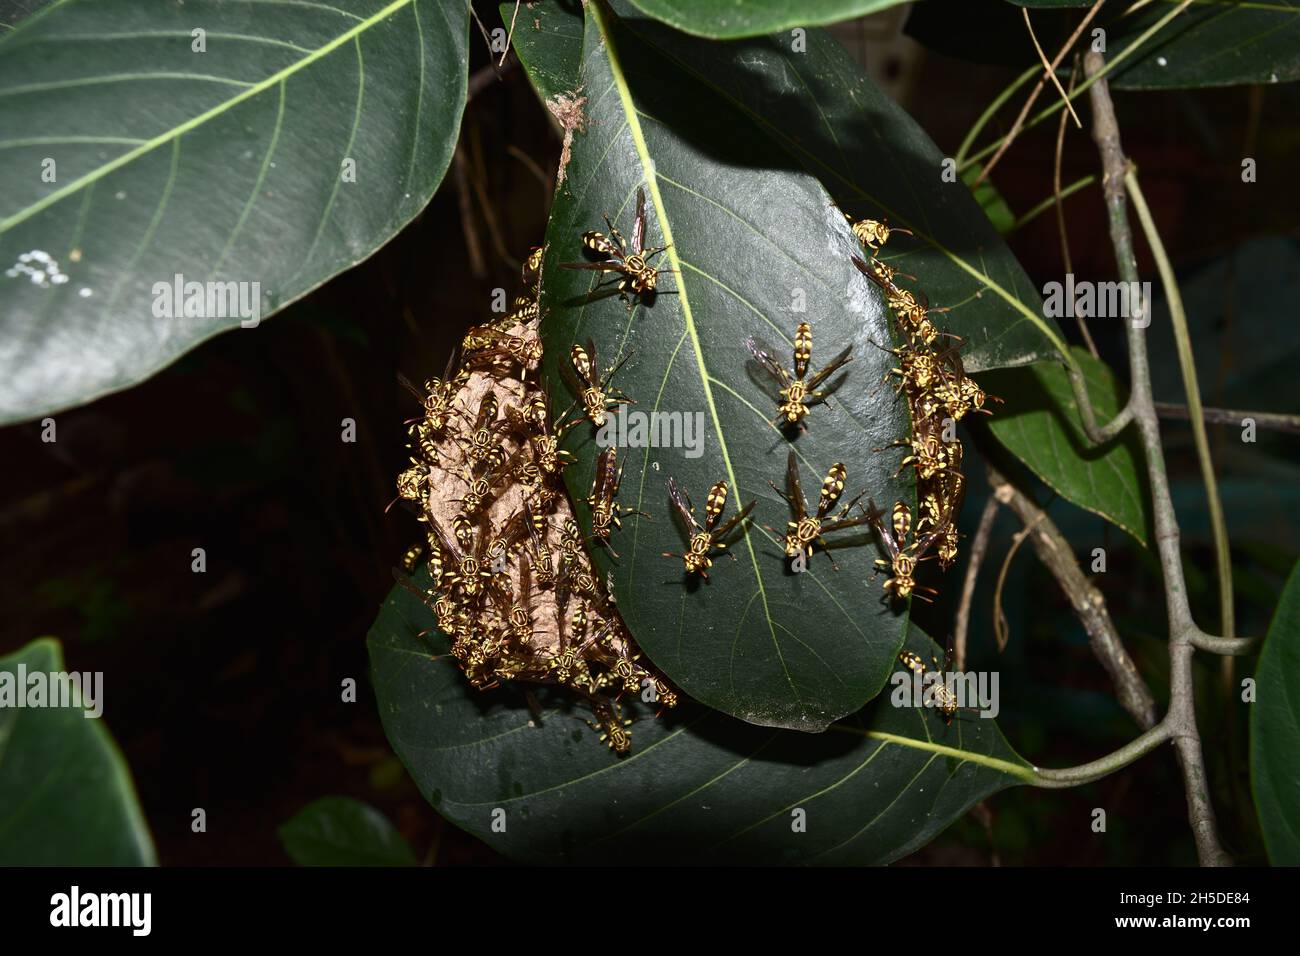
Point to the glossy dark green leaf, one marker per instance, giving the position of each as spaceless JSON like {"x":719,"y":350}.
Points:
{"x":1039,"y":423}
{"x":698,"y":786}
{"x":129,"y":158}
{"x":1212,"y":43}
{"x":732,"y":171}
{"x":341,"y":831}
{"x":548,"y":41}
{"x":1275,"y":731}
{"x":66,"y":797}
{"x":733,"y":19}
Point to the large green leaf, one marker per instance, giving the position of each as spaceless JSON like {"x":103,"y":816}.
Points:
{"x":548,"y":41}
{"x":341,"y":831}
{"x":732,"y":19}
{"x":736,"y":190}
{"x":698,"y":786}
{"x":1039,"y":423}
{"x":66,"y":797}
{"x":226,"y":165}
{"x":1212,"y":43}
{"x":1275,"y":730}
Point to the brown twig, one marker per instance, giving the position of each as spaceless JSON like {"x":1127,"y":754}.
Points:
{"x":1181,"y":719}
{"x":1001,"y":631}
{"x":978,"y":548}
{"x":1033,"y":96}
{"x":510,"y":33}
{"x":1274,"y":421}
{"x":1054,"y":550}
{"x":477,"y":265}
{"x":1051,"y":68}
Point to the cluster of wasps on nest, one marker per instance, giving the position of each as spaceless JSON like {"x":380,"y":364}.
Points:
{"x":512,"y":584}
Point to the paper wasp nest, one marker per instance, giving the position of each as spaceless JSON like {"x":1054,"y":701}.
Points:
{"x":512,"y":585}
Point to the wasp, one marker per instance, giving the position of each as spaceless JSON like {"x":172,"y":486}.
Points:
{"x":612,"y":726}
{"x":903,"y":557}
{"x":411,"y":482}
{"x":637,"y":277}
{"x":913,"y":313}
{"x":438,"y":396}
{"x":941,"y":696}
{"x":532,"y":267}
{"x":959,"y":393}
{"x":930,"y":454}
{"x":541,"y":558}
{"x":411,"y":557}
{"x":593,"y":389}
{"x":919,"y":369}
{"x":938,"y":508}
{"x":887,"y":272}
{"x":483,"y":446}
{"x":471,"y":575}
{"x":701,"y":539}
{"x":569,"y":667}
{"x":424,"y":439}
{"x":874,"y":233}
{"x":806,"y":530}
{"x":798,"y":390}
{"x":606,"y":513}
{"x":515,"y":610}
{"x":570,"y":545}
{"x":485,"y":345}
{"x":481,"y":490}
{"x":532,"y":420}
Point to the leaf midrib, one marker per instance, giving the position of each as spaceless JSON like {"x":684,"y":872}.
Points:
{"x":195,"y":122}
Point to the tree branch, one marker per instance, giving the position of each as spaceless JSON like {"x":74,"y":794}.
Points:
{"x":978,"y":548}
{"x":1181,"y":719}
{"x":1231,"y":416}
{"x":1054,"y":550}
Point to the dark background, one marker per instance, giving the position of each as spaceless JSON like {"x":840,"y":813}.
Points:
{"x":223,"y":689}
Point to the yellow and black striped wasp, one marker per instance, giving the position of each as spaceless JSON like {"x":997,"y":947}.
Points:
{"x":702,"y":539}
{"x":481,"y":489}
{"x":467,"y":572}
{"x":484,"y":345}
{"x":798,"y":390}
{"x":515,"y":610}
{"x":935,"y":691}
{"x":637,"y":276}
{"x":593,"y":389}
{"x":438,"y":398}
{"x":913,"y":312}
{"x":806,"y":530}
{"x":940,"y":503}
{"x":612,"y":725}
{"x":484,"y":444}
{"x":903,"y":557}
{"x":874,"y":233}
{"x":606,"y":512}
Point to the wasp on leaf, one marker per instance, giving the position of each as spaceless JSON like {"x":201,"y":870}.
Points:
{"x":637,"y":276}
{"x":701,"y":539}
{"x":606,"y":512}
{"x":903,"y":557}
{"x":798,"y":390}
{"x":593,"y":389}
{"x":806,"y":530}
{"x":939,"y":695}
